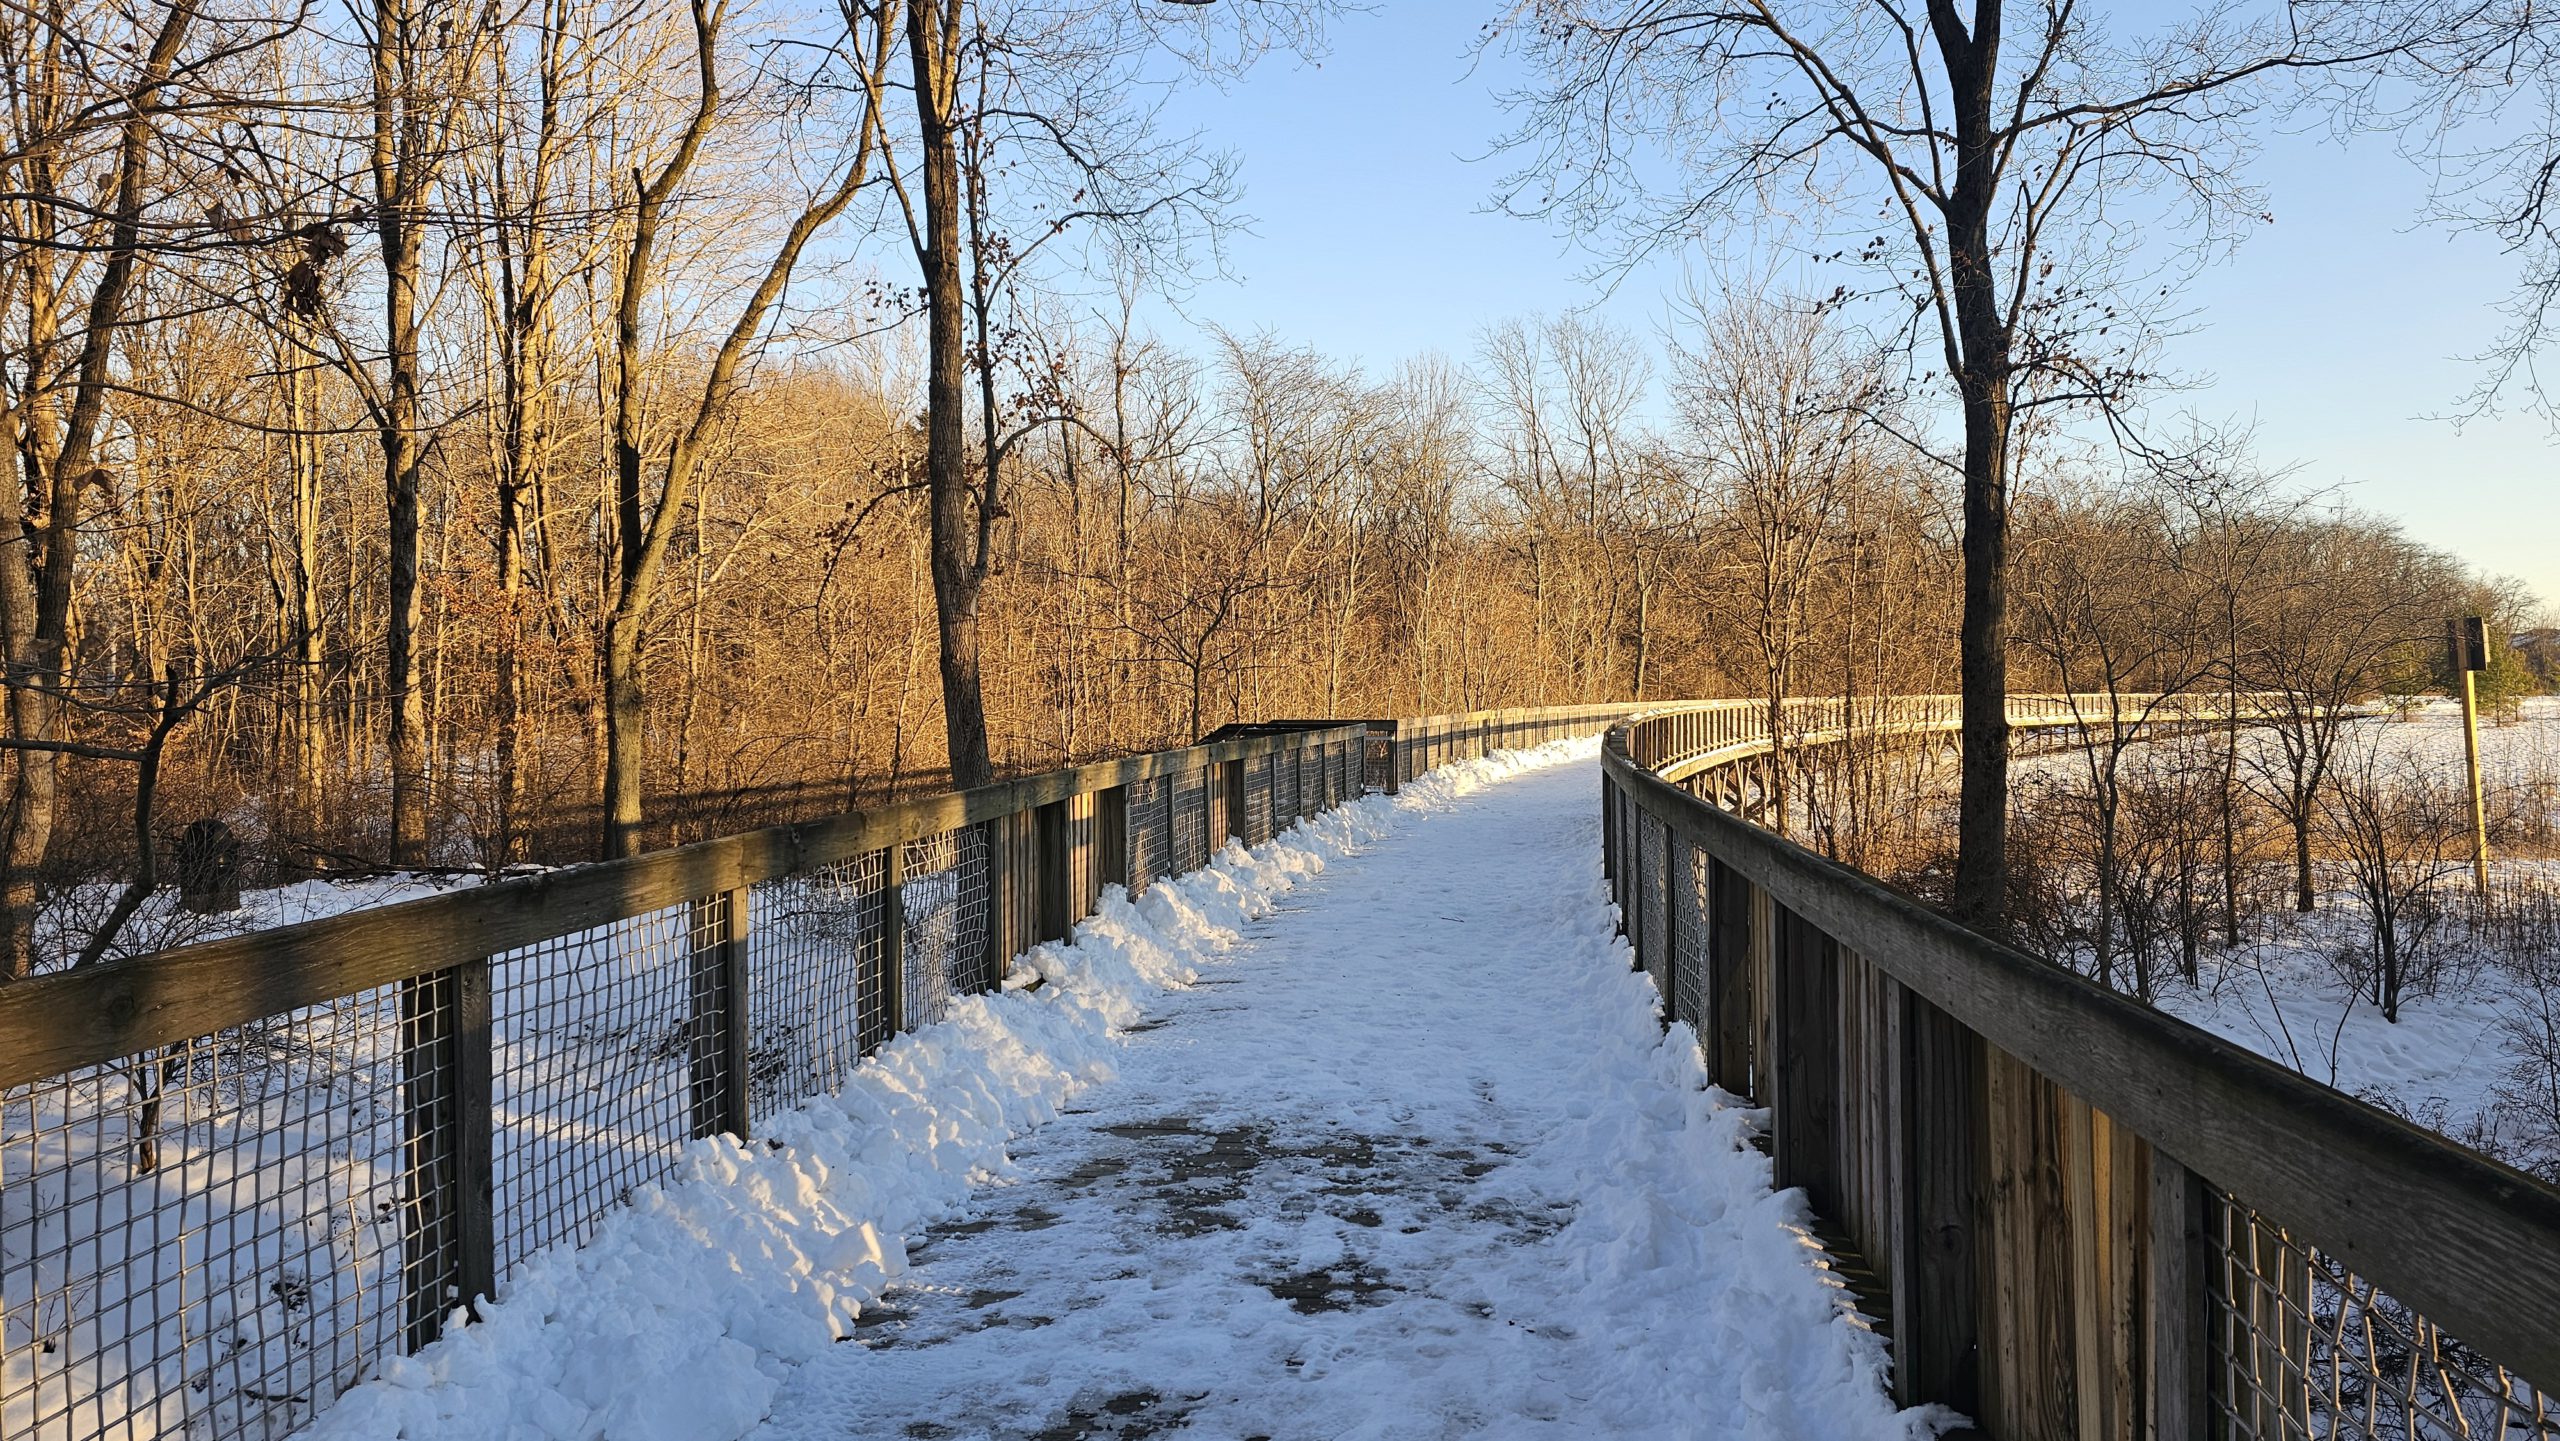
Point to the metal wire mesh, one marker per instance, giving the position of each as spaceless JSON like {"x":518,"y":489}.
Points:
{"x":816,"y":1004}
{"x":1651,"y":902}
{"x":2304,"y":1348}
{"x":1150,"y":821}
{"x":205,"y":1240}
{"x":595,"y":1037}
{"x":1190,"y":822}
{"x":1689,"y":934}
{"x":1256,"y":821}
{"x":944,"y":892}
{"x":1285,"y":805}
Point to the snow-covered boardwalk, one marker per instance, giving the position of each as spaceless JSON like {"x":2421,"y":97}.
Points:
{"x":1410,"y":1161}
{"x":1368,"y":1133}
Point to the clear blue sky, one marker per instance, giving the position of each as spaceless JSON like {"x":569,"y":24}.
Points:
{"x":2340,"y":329}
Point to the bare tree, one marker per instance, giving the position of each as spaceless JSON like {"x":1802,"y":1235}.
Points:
{"x":2348,"y":600}
{"x":71,"y":271}
{"x":1027,"y":129}
{"x":2008,"y":146}
{"x":2398,"y":830}
{"x":2108,"y":608}
{"x":1774,"y":408}
{"x":643,"y":531}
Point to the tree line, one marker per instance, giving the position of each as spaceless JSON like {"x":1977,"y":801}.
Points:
{"x":451,"y":434}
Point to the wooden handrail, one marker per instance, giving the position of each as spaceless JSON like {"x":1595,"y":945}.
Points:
{"x":64,"y":1020}
{"x":2470,"y":1243}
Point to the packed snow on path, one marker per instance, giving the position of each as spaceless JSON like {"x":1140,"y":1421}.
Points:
{"x":1368,"y":1132}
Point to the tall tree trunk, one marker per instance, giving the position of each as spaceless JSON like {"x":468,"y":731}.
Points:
{"x":309,"y":762}
{"x":401,"y":171}
{"x":958,"y":538}
{"x":1982,"y":370}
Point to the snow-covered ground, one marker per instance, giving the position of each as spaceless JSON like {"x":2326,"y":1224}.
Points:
{"x":1368,"y":1132}
{"x":2280,"y":994}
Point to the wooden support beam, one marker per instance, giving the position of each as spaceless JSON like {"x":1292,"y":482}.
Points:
{"x":449,"y":1251}
{"x":717,"y":931}
{"x":1110,"y":842}
{"x":1730,"y":1007}
{"x":893,"y":937}
{"x":1053,"y":867}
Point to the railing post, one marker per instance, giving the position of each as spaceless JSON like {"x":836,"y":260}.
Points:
{"x":718,"y":944}
{"x":1111,"y":841}
{"x":1805,"y":1093}
{"x":1231,"y":797}
{"x":893,"y":939}
{"x":1730,"y":1061}
{"x":449,"y":1251}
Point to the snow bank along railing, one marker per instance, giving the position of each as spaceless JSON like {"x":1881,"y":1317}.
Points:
{"x":2074,"y":1215}
{"x":237,"y":1177}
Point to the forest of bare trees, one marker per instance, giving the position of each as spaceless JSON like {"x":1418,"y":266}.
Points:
{"x":454,"y":436}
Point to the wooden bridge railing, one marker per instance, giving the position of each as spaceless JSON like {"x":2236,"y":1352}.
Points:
{"x":236,"y":1178}
{"x":2076,"y":1216}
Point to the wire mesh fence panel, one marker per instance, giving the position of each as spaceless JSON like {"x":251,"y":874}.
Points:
{"x":1689,"y":934}
{"x":1651,"y":901}
{"x":2302,"y":1347}
{"x":816,"y":1003}
{"x":205,"y":1240}
{"x":1150,"y":821}
{"x":1190,"y":822}
{"x":1286,"y":806}
{"x":1256,"y":822}
{"x":944,"y":892}
{"x":595,"y":1038}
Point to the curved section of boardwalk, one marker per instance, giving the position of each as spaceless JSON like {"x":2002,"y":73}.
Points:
{"x":1413,"y":1161}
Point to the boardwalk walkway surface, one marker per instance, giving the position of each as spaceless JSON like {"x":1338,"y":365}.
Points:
{"x":1410,"y":1160}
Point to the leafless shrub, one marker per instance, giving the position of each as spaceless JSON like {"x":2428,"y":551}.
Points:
{"x":2397,"y":829}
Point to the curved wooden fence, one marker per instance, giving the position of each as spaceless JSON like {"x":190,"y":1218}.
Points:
{"x":238,"y":1177}
{"x":2075,"y":1216}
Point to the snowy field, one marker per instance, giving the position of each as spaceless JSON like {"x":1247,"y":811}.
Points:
{"x":2280,"y":994}
{"x":1368,"y":1132}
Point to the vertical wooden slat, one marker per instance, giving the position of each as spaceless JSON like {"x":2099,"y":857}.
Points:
{"x":1940,"y":1267}
{"x":2180,"y":1309}
{"x":2033,"y":1340}
{"x":2086,"y":1195}
{"x":1804,"y":1094}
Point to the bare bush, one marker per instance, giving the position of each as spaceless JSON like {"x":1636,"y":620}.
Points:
{"x":2397,"y":828}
